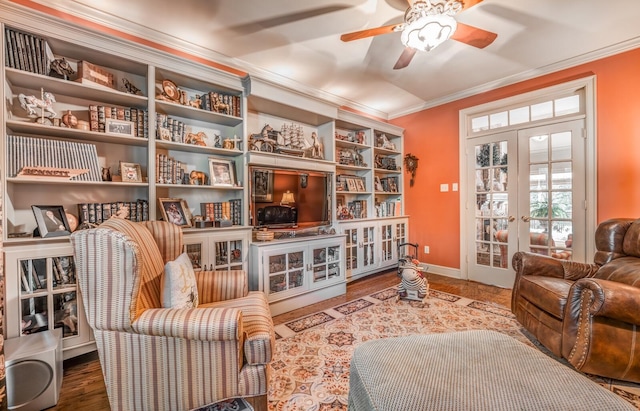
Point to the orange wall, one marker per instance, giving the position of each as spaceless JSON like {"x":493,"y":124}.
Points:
{"x":432,"y":135}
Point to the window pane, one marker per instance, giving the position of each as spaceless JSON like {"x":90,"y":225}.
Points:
{"x":519,"y":115}
{"x":499,"y":120}
{"x":480,"y":123}
{"x":538,"y":149}
{"x":561,"y":175}
{"x":561,"y":146}
{"x":538,"y":176}
{"x":541,"y":110}
{"x":567,"y":105}
{"x":561,"y":204}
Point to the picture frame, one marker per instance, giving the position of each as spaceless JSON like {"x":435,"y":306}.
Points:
{"x":123,"y":127}
{"x":130,"y":172}
{"x":222,"y":172}
{"x":176,"y":211}
{"x":51,"y":220}
{"x":263,"y":186}
{"x":360,"y":185}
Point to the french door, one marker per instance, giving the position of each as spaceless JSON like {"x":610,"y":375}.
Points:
{"x":529,"y":195}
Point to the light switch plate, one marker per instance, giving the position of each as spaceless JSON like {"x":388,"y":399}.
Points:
{"x":444,"y":187}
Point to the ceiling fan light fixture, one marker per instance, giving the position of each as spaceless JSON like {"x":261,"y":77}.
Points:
{"x":428,"y":32}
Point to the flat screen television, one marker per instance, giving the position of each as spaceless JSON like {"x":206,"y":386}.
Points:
{"x":287,"y":198}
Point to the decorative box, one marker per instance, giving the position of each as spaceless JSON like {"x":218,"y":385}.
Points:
{"x":90,"y":73}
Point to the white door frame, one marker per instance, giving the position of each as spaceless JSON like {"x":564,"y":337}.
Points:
{"x":589,"y":86}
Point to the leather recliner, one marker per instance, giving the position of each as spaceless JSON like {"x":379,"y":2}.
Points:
{"x":588,"y":314}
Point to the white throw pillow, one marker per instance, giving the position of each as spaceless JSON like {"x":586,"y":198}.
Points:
{"x":179,"y":288}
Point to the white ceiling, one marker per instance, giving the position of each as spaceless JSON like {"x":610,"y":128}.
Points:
{"x":297,"y":43}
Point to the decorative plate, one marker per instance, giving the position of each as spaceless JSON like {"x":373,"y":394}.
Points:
{"x":170,"y":89}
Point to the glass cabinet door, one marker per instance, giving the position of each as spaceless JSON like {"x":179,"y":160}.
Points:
{"x":286,"y":271}
{"x":386,"y":242}
{"x":368,"y":246}
{"x":326,"y":263}
{"x":352,"y":248}
{"x":229,"y":255}
{"x":48,"y":295}
{"x":400,"y":238}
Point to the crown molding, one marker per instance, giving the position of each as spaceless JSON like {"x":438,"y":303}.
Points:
{"x":523,"y":76}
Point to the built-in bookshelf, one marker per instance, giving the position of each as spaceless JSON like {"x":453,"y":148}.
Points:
{"x":150,"y":127}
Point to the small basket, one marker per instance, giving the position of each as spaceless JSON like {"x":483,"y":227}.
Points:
{"x":264,"y":235}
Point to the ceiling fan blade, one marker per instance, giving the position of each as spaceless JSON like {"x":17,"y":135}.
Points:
{"x":357,"y":35}
{"x":473,"y":36}
{"x":405,"y":58}
{"x":469,"y":3}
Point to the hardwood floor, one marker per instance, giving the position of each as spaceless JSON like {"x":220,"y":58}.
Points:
{"x":83,"y":385}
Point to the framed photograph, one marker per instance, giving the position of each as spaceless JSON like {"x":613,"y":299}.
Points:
{"x":360,"y":184}
{"x":130,"y":172}
{"x":176,"y":211}
{"x":223,"y":172}
{"x":114,"y":126}
{"x":51,"y":220}
{"x":263,"y":186}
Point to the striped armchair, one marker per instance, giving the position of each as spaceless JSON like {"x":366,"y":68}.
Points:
{"x":155,"y":358}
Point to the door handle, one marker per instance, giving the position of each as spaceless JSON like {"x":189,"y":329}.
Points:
{"x":525,"y":218}
{"x":512,"y":219}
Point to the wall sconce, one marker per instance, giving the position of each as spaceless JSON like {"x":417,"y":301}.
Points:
{"x":304,"y":179}
{"x":287,"y":198}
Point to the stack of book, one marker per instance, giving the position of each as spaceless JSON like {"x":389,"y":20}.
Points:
{"x":40,"y":152}
{"x":169,"y":170}
{"x":96,"y":213}
{"x":226,"y":210}
{"x":389,"y":208}
{"x":98,"y":116}
{"x":358,"y":208}
{"x":226,"y":103}
{"x":175,"y":129}
{"x":27,"y":52}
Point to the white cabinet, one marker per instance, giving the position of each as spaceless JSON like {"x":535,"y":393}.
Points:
{"x":218,"y":249}
{"x":42,"y":294}
{"x":372,"y":245}
{"x":297,"y":272}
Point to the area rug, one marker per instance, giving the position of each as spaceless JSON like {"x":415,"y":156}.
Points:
{"x":310,"y":370}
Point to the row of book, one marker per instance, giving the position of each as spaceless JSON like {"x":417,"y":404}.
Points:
{"x":98,"y":116}
{"x":353,"y":209}
{"x":170,"y":171}
{"x":389,"y":208}
{"x":221,"y":103}
{"x":96,"y":213}
{"x":175,"y":129}
{"x":388,"y":184}
{"x":27,"y":52}
{"x":226,"y":210}
{"x":39,"y":152}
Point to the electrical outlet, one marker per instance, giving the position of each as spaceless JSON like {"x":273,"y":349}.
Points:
{"x":426,"y":249}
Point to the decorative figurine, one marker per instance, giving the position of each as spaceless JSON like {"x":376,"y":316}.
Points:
{"x":130,"y":87}
{"x":60,"y":68}
{"x":69,"y":120}
{"x":31,"y":103}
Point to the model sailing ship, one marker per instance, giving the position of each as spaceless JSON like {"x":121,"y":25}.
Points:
{"x":293,"y":141}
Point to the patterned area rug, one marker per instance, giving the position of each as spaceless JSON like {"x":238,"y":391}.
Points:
{"x":310,"y":370}
{"x":234,"y":404}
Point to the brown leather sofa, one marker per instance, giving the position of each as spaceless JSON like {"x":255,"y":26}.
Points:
{"x":588,"y":314}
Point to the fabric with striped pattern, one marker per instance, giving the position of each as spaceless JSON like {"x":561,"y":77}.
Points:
{"x":168,"y":359}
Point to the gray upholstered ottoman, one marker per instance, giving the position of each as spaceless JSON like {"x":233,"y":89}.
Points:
{"x":470,"y":370}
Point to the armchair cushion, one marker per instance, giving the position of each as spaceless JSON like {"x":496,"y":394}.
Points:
{"x":179,"y":288}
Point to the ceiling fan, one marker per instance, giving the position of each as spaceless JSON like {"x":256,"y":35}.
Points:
{"x":427,"y":24}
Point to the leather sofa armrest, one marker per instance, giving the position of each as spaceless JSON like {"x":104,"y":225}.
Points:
{"x":526,"y":263}
{"x":610,"y":299}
